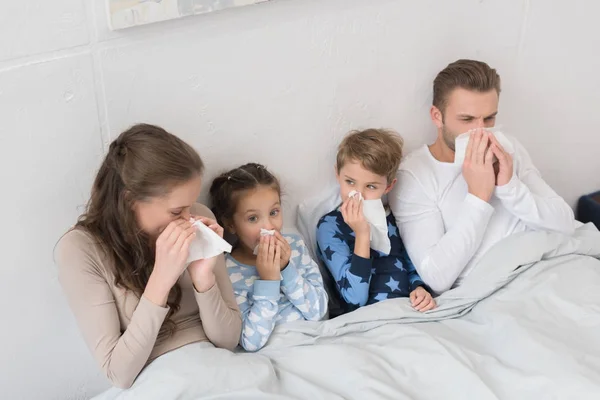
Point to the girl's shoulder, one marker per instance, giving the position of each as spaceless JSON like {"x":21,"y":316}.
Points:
{"x":294,"y":239}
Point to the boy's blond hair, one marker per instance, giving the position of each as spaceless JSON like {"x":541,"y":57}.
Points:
{"x":377,"y":150}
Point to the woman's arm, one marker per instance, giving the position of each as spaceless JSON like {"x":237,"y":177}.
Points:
{"x":219,"y":312}
{"x":121,"y":355}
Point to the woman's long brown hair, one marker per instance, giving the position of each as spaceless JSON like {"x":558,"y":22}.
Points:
{"x":143,"y":162}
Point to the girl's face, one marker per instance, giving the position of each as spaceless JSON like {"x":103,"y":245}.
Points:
{"x":257,"y":208}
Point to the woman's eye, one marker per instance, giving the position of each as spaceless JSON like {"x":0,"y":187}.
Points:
{"x":176,"y":214}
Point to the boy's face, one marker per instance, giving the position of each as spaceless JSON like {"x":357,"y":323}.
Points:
{"x":353,"y":176}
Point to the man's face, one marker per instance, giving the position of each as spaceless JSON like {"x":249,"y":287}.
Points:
{"x":465,"y":110}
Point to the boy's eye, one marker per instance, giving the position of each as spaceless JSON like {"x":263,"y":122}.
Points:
{"x":372,"y":187}
{"x":253,"y":218}
{"x":274,"y":213}
{"x":349,"y":182}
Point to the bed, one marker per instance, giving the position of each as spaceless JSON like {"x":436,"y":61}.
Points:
{"x":524,"y":325}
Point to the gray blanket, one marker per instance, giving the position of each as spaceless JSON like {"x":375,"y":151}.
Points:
{"x":525,"y":324}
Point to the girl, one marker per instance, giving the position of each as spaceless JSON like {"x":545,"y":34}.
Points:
{"x":279,"y":282}
{"x":123,"y":266}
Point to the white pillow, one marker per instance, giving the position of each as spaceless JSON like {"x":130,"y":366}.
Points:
{"x":310,"y":212}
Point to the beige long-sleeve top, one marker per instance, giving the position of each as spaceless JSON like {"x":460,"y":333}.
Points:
{"x":121,"y":329}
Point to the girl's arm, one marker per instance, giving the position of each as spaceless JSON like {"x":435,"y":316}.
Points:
{"x":302,"y":282}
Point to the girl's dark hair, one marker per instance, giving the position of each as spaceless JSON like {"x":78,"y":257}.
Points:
{"x":144,"y":162}
{"x":227,"y":188}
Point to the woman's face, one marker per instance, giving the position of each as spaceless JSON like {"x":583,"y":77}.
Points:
{"x":153,"y":215}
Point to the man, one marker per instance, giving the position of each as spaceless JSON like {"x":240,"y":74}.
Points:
{"x":450,"y":214}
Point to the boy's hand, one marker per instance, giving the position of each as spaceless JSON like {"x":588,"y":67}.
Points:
{"x":352,"y":212}
{"x":421,"y":300}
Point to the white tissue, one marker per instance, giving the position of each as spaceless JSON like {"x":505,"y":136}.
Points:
{"x":461,"y":142}
{"x":374,"y":213}
{"x":206,"y":244}
{"x":264,"y":232}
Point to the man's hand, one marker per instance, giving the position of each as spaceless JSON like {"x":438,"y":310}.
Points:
{"x":505,"y":162}
{"x":478,"y":168}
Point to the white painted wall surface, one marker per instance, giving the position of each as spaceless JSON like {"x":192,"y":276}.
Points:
{"x":279,"y":83}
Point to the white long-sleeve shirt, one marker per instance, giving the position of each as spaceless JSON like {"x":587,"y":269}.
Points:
{"x":446,"y":230}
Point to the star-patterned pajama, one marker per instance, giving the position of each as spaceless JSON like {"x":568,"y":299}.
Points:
{"x":361,"y":281}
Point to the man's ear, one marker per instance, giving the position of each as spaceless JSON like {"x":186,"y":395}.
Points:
{"x":437,"y":117}
{"x":390,"y":186}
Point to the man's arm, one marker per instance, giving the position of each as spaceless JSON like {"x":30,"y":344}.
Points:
{"x":528,"y":197}
{"x":439,"y":255}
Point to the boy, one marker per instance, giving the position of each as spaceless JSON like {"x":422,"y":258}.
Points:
{"x":367,"y":162}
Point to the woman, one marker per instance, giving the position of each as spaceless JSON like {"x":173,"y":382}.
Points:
{"x":123,"y":266}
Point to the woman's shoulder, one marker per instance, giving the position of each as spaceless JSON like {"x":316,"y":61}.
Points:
{"x":79,"y":248}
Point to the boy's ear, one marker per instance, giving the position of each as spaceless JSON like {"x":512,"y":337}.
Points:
{"x":390,"y":186}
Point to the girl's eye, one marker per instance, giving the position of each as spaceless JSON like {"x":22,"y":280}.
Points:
{"x":372,"y":187}
{"x":349,"y":182}
{"x":274,"y":213}
{"x":252,"y":219}
{"x":176,"y":214}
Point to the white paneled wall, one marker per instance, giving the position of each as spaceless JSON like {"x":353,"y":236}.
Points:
{"x":278,"y":83}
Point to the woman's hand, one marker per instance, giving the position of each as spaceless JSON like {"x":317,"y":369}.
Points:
{"x":172,"y":250}
{"x":202,"y":271}
{"x":421,"y":300}
{"x":268,"y":260}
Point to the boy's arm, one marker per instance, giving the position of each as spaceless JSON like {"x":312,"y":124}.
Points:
{"x":302,"y":283}
{"x":259,"y":306}
{"x":351,"y":272}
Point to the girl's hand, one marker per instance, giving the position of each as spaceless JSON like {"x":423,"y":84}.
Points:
{"x":202,"y":271}
{"x":268,"y":261}
{"x":172,"y":250}
{"x":421,"y":300}
{"x":286,"y":249}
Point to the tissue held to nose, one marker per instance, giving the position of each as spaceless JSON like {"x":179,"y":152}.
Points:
{"x":461,"y":142}
{"x":355,"y":193}
{"x":264,"y":232}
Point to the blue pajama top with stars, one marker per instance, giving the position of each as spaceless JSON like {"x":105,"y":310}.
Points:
{"x":361,"y":281}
